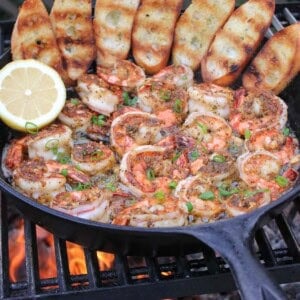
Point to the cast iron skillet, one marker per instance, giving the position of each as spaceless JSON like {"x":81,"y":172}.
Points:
{"x":232,"y":238}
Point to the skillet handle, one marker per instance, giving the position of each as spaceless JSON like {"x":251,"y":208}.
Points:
{"x":233,"y":243}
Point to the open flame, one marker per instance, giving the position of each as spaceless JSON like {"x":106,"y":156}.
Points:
{"x":46,"y":255}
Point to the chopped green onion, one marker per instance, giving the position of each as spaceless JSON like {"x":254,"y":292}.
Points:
{"x":286,"y":131}
{"x":82,"y":186}
{"x":159,"y":195}
{"x":129,"y":101}
{"x":189,"y":206}
{"x":176,"y":156}
{"x":52,"y":145}
{"x":64,"y":172}
{"x":111,"y":187}
{"x":219,"y":158}
{"x":194,"y":155}
{"x":31,"y":128}
{"x":247,"y":134}
{"x":150,"y":174}
{"x":173,"y":185}
{"x":177,"y":106}
{"x":208,"y":195}
{"x":74,"y":101}
{"x":165,"y":95}
{"x":63,"y":158}
{"x":226,"y":192}
{"x":282,"y":181}
{"x":249,"y":193}
{"x":98,"y":120}
{"x":202,"y":127}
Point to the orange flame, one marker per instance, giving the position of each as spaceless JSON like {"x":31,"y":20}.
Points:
{"x":46,"y":255}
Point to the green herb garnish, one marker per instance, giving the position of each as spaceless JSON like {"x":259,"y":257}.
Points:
{"x":177,"y":106}
{"x":52,"y":145}
{"x":189,"y":206}
{"x":63,"y":158}
{"x":208,"y":195}
{"x":165,"y":95}
{"x":219,"y":158}
{"x":129,"y":101}
{"x":282,"y":181}
{"x":111,"y":187}
{"x":247,"y":134}
{"x":173,"y":185}
{"x":202,"y":127}
{"x":82,"y":186}
{"x":194,"y":155}
{"x":31,"y":128}
{"x":249,"y":193}
{"x":176,"y":156}
{"x":286,"y":131}
{"x":227,"y":191}
{"x":150,"y":174}
{"x":74,"y":101}
{"x":64,"y":172}
{"x":98,"y":120}
{"x":159,"y":195}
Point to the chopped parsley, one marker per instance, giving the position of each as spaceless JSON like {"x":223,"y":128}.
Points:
{"x":128,"y":101}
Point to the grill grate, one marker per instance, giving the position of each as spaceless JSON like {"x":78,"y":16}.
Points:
{"x":146,"y":277}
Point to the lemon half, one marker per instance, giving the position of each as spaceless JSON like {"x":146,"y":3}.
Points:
{"x":30,"y":93}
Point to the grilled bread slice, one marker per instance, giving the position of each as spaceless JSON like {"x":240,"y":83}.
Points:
{"x":277,"y":63}
{"x":236,"y":42}
{"x":153,"y":32}
{"x":113,"y":23}
{"x":33,"y":37}
{"x":72,"y":24}
{"x":196,"y":29}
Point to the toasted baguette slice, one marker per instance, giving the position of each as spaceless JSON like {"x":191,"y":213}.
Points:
{"x":33,"y":37}
{"x":113,"y":23}
{"x":277,"y":63}
{"x":196,"y":29}
{"x":236,"y":42}
{"x":72,"y":24}
{"x":153,"y":33}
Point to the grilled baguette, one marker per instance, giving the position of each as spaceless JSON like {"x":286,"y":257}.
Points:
{"x":72,"y":24}
{"x":113,"y":23}
{"x":235,"y":43}
{"x":33,"y":37}
{"x":153,"y":32}
{"x":196,"y":29}
{"x":277,"y":63}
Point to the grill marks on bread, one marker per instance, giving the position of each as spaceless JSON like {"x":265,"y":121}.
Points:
{"x":277,"y":63}
{"x":113,"y":23}
{"x":236,"y":42}
{"x":72,"y":25}
{"x":196,"y":29}
{"x":153,"y":32}
{"x":33,"y":37}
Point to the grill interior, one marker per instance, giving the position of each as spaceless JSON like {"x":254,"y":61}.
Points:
{"x":276,"y":245}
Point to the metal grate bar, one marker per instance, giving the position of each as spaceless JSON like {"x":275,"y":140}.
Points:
{"x":289,"y":16}
{"x":265,"y":248}
{"x":4,"y":258}
{"x":122,"y":269}
{"x":288,"y":236}
{"x":63,"y":273}
{"x":276,"y":23}
{"x":31,"y":258}
{"x":153,"y":269}
{"x":92,"y":267}
{"x":211,"y":261}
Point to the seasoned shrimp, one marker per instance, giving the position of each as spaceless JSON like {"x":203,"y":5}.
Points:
{"x":133,"y":129}
{"x":87,"y":204}
{"x":257,"y":110}
{"x":153,"y":212}
{"x":51,"y":142}
{"x":263,"y":170}
{"x":148,"y":169}
{"x":275,"y":141}
{"x":165,"y":100}
{"x":92,"y":157}
{"x":212,"y":131}
{"x":124,"y":73}
{"x":98,"y":98}
{"x":45,"y":179}
{"x":180,"y":75}
{"x":76,"y":115}
{"x":201,"y":198}
{"x":210,"y":98}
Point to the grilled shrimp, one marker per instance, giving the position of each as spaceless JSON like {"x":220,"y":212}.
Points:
{"x":124,"y":73}
{"x":41,"y":179}
{"x":133,"y":129}
{"x":257,"y":110}
{"x":92,"y":157}
{"x":180,"y":75}
{"x":201,"y":198}
{"x":275,"y":141}
{"x":98,"y":98}
{"x":263,"y":170}
{"x":212,"y":131}
{"x":153,"y":212}
{"x":210,"y":98}
{"x":148,"y":169}
{"x":76,"y":115}
{"x":165,"y":100}
{"x":87,"y":204}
